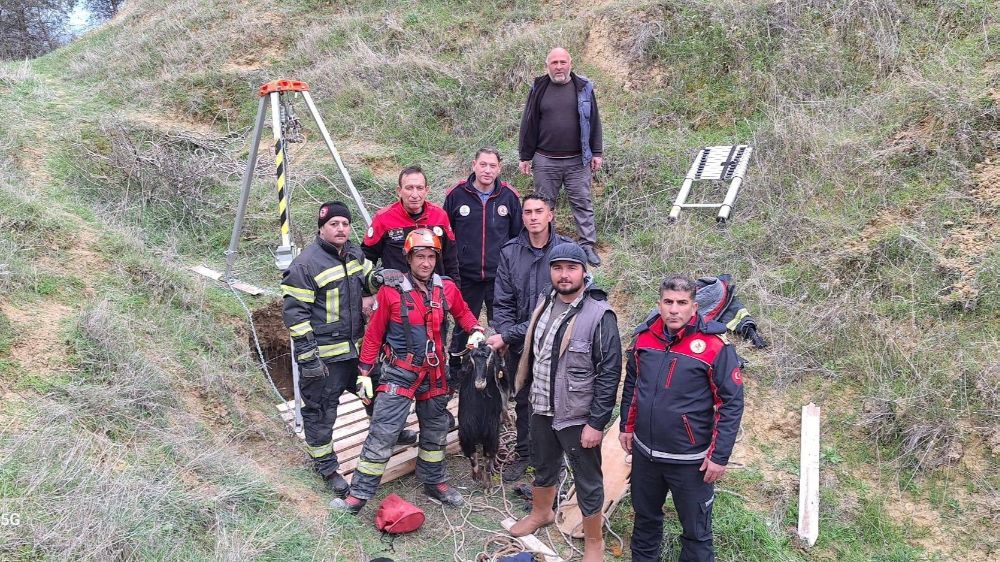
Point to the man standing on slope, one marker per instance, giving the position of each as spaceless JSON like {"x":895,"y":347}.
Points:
{"x":323,"y":290}
{"x":390,"y":225}
{"x":572,"y":361}
{"x":561,"y":142}
{"x":523,"y":276}
{"x":484,"y":213}
{"x":681,"y":409}
{"x":409,"y":323}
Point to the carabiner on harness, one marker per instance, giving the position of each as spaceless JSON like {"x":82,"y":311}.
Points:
{"x":430,"y":354}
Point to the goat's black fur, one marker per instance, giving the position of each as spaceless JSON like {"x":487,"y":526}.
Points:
{"x":482,"y":397}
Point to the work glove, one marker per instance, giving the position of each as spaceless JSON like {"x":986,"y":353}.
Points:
{"x":387,"y":276}
{"x":313,"y":367}
{"x":364,"y":389}
{"x":751,"y":334}
{"x":475,"y":339}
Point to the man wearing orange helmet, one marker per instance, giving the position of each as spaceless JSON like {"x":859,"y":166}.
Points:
{"x":408,"y":325}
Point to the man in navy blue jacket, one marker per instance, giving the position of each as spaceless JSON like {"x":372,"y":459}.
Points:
{"x":681,"y":409}
{"x":485,"y":213}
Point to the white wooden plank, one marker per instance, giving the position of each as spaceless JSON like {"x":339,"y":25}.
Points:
{"x":809,"y":475}
{"x":532,"y":543}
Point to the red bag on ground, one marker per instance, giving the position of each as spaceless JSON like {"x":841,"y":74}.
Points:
{"x":396,"y":515}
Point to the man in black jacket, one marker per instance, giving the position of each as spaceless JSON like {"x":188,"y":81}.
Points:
{"x":561,"y":141}
{"x":572,"y":360}
{"x":680,"y":413}
{"x":323,"y":290}
{"x":485,"y":213}
{"x":523,"y":276}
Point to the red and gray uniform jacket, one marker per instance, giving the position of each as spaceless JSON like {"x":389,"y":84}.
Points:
{"x":390,"y":225}
{"x":482,"y":228}
{"x":322,"y":300}
{"x":409,"y":326}
{"x":683,"y":395}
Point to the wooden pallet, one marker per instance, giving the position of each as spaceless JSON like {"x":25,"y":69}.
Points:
{"x":351,"y":430}
{"x":617,"y":468}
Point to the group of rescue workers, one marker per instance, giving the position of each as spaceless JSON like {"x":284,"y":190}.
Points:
{"x":381,"y":332}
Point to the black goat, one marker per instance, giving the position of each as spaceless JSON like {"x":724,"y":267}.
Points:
{"x":484,"y":388}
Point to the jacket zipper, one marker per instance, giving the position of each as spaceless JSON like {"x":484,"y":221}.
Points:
{"x":687,"y":427}
{"x":482,"y":246}
{"x":670,"y":373}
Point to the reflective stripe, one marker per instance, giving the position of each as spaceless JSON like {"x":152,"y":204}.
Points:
{"x":670,"y":456}
{"x":333,"y":306}
{"x":304,"y":295}
{"x":306,"y":356}
{"x":371,"y":468}
{"x":300,"y":329}
{"x":354,"y":266}
{"x":430,"y":456}
{"x":740,"y":315}
{"x":333,"y":350}
{"x":321,"y":451}
{"x":328,"y":276}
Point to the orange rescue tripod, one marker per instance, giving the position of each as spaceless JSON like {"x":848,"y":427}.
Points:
{"x":286,"y":128}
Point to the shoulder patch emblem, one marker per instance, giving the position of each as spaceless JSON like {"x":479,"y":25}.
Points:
{"x":464,"y":210}
{"x":697,"y":346}
{"x":737,"y":376}
{"x":438,"y":231}
{"x":371,"y":231}
{"x":502,"y":210}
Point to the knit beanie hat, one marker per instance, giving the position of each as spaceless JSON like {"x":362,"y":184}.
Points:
{"x":332,"y":209}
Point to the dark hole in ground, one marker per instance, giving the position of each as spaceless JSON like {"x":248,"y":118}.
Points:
{"x":274,"y":343}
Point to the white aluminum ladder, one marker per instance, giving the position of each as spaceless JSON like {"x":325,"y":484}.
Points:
{"x":715,"y":163}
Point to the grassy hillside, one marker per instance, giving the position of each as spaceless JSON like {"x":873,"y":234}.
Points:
{"x":135,"y":421}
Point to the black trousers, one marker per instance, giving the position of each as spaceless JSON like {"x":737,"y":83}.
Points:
{"x":522,"y":407}
{"x":693,"y":500}
{"x":475,"y":294}
{"x":320,"y":398}
{"x":548,"y":446}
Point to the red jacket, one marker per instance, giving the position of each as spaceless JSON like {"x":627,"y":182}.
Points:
{"x":683,"y":394}
{"x":426,"y":323}
{"x":390,"y":225}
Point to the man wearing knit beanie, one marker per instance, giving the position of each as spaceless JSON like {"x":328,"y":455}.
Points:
{"x":323,"y":290}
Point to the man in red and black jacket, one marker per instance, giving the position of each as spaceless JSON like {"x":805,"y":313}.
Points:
{"x":408,"y":327}
{"x":485,"y":213}
{"x":681,"y":410}
{"x":390,"y":225}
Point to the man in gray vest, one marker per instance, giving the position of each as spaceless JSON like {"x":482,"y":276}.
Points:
{"x":561,"y":141}
{"x":573,"y":362}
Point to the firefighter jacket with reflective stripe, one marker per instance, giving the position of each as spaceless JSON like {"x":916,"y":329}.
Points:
{"x":683,"y":394}
{"x":322,"y":300}
{"x":482,"y":228}
{"x":417,"y":339}
{"x":390,"y":225}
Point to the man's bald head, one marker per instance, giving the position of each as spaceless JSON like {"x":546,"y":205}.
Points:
{"x":559,"y":64}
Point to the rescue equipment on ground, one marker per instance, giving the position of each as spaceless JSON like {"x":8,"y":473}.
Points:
{"x":717,"y":164}
{"x":397,"y":516}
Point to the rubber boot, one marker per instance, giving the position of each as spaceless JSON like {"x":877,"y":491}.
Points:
{"x":541,"y":514}
{"x":593,"y":538}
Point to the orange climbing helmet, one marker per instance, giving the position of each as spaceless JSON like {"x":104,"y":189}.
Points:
{"x":421,"y":238}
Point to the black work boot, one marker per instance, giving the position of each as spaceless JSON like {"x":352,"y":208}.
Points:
{"x":592,"y":256}
{"x":444,"y":494}
{"x":336,"y":483}
{"x":516,"y":469}
{"x":406,"y":437}
{"x":350,"y":504}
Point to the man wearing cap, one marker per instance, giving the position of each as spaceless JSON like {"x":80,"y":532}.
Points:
{"x":409,"y":324}
{"x":572,"y":359}
{"x":323,"y":290}
{"x":522,"y":277}
{"x":561,"y":141}
{"x":484,"y":213}
{"x":681,"y":409}
{"x":390,"y":225}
